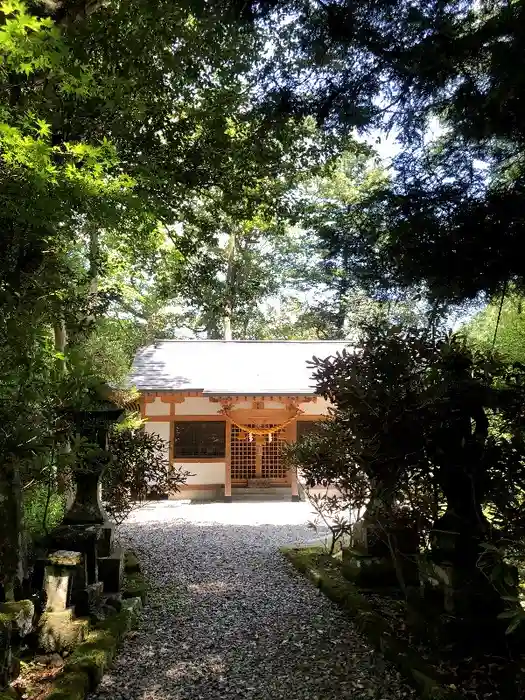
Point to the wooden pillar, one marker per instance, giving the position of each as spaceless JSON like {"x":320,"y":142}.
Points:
{"x":292,"y":437}
{"x":172,"y":432}
{"x":228,"y":472}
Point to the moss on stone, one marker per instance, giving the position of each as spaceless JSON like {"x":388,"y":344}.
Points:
{"x":70,"y":685}
{"x":65,"y":557}
{"x":93,"y":656}
{"x":87,"y":664}
{"x":133,"y":606}
{"x":117,"y":625}
{"x":17,"y":616}
{"x":59,"y":631}
{"x":131,"y":563}
{"x":325,"y":572}
{"x":16,"y":607}
{"x":135,"y":586}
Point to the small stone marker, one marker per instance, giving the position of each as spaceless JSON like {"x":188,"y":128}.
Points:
{"x":58,"y":578}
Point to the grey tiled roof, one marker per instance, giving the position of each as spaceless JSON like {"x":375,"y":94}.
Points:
{"x":230,"y":367}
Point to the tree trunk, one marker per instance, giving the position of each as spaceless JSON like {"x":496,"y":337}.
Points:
{"x":230,"y":286}
{"x":94,"y":256}
{"x":11,"y":538}
{"x":60,"y":335}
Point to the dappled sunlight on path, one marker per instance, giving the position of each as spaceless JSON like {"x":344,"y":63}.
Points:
{"x":228,"y":618}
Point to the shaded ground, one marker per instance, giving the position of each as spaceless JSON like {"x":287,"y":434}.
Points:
{"x":228,"y":617}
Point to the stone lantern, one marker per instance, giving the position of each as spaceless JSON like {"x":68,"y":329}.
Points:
{"x":86,"y":527}
{"x":92,"y":426}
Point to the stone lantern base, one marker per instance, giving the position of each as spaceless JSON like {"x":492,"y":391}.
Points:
{"x":369,"y":562}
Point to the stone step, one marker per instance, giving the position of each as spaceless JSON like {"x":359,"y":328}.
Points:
{"x":262,"y":494}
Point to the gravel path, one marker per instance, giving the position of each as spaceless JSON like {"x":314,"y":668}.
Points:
{"x":229,"y":618}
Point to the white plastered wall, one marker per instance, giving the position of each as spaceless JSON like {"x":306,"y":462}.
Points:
{"x":204,"y":472}
{"x":157,"y":408}
{"x":162,"y":429}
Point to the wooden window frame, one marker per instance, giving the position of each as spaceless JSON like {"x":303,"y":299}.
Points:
{"x":177,"y":457}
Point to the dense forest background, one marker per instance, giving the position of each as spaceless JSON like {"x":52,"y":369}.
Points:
{"x":212,"y":169}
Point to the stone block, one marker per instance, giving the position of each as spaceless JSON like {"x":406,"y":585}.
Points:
{"x":114,"y":601}
{"x":105,"y":543}
{"x":131,"y":563}
{"x":57,"y":587}
{"x":58,"y":631}
{"x":65,"y":558}
{"x":368,"y":571}
{"x":88,"y":598}
{"x":81,"y":538}
{"x":135,"y":586}
{"x":18,"y":616}
{"x":64,"y":574}
{"x":111,"y":571}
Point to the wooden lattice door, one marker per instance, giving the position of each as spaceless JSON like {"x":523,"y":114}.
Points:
{"x":272,"y":466}
{"x":242,"y":456}
{"x":259,"y":458}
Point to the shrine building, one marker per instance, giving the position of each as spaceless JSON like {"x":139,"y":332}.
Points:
{"x":225,"y":409}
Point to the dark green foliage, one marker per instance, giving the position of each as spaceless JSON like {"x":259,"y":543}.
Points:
{"x":451,"y":220}
{"x":139,"y":467}
{"x":118,"y":122}
{"x":418,"y":424}
{"x":375,"y":447}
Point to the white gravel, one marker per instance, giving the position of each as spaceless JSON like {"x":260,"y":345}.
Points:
{"x":228,"y":617}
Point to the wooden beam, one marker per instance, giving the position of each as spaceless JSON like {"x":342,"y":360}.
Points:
{"x":199,"y":417}
{"x":200,"y":487}
{"x":291,"y":436}
{"x":228,"y":471}
{"x":172,"y":431}
{"x":180,"y":459}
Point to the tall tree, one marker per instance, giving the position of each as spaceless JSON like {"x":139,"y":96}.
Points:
{"x":452,"y":219}
{"x":113,"y":115}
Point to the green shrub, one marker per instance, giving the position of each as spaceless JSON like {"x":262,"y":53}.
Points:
{"x":34,"y":509}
